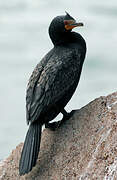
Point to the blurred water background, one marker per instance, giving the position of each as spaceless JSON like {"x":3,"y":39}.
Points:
{"x":24,"y":41}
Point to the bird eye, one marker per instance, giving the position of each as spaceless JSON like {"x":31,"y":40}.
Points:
{"x":66,"y":22}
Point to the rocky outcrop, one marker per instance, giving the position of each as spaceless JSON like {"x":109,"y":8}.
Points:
{"x":85,"y":147}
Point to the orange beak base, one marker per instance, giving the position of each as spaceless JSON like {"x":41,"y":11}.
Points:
{"x":70,"y":24}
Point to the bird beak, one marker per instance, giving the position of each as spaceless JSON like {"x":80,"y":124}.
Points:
{"x":70,"y":24}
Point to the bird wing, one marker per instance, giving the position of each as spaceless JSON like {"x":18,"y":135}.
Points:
{"x":48,"y":84}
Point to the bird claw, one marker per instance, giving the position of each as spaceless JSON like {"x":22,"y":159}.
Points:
{"x":55,"y":125}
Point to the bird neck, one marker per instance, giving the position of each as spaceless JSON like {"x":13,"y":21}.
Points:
{"x":59,"y":38}
{"x":67,"y":38}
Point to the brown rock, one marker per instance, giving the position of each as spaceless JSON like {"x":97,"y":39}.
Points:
{"x":84,"y":148}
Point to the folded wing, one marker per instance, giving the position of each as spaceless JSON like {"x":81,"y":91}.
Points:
{"x":49,"y":83}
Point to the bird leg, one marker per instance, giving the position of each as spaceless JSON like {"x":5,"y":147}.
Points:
{"x":55,"y":125}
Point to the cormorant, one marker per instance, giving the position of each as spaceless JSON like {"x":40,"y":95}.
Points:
{"x":52,"y":84}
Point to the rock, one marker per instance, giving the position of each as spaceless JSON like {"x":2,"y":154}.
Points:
{"x":85,"y":147}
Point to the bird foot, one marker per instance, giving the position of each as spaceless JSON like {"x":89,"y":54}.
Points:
{"x":68,"y":115}
{"x":55,"y":125}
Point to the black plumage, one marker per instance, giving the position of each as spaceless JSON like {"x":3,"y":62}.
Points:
{"x":52,"y":84}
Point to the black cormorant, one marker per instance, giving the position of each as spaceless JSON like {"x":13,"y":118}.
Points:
{"x":52,"y":84}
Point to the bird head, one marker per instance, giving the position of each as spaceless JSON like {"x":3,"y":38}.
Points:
{"x":59,"y":27}
{"x":70,"y":22}
{"x":63,"y":23}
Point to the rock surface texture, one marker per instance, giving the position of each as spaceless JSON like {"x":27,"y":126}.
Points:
{"x":84,"y":148}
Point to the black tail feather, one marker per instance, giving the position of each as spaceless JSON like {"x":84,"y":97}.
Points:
{"x":31,"y":148}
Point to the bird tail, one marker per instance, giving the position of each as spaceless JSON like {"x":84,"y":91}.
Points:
{"x":31,"y":148}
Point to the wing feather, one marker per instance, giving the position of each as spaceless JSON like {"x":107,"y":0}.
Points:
{"x":50,"y":83}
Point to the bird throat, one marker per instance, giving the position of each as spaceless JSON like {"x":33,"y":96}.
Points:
{"x":60,"y":38}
